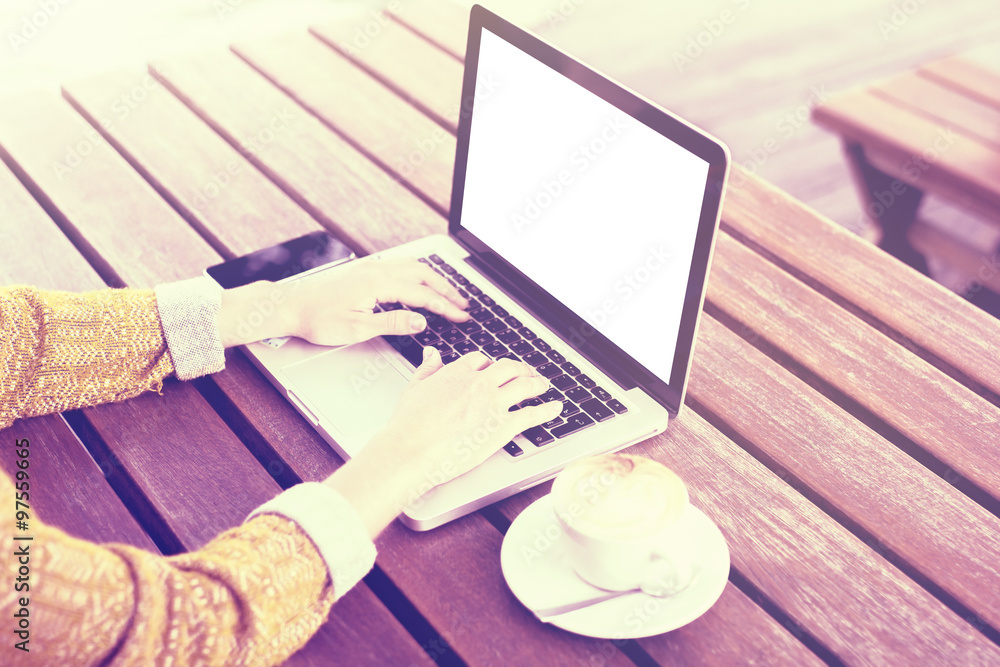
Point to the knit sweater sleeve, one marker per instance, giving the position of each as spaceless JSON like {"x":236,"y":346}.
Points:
{"x":252,"y":596}
{"x":60,"y":350}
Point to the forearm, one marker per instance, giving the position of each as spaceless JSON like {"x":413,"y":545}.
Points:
{"x":253,"y":595}
{"x":254,"y":312}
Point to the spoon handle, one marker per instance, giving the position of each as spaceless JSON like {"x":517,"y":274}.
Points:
{"x":545,"y":614}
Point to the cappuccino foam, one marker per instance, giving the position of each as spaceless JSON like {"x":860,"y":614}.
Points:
{"x":619,"y":496}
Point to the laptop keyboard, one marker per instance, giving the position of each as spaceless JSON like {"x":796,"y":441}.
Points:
{"x":499,"y":335}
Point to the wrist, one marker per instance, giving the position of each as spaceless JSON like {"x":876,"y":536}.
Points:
{"x":253,"y":312}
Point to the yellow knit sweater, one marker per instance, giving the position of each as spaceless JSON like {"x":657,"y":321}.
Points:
{"x":252,"y":596}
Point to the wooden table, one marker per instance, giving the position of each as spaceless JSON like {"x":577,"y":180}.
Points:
{"x":842,"y":427}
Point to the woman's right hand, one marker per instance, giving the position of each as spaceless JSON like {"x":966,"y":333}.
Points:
{"x":449,"y":420}
{"x":452,"y":418}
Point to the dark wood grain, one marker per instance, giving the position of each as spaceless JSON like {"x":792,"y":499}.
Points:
{"x":324,"y":174}
{"x":203,"y":177}
{"x":410,"y":145}
{"x":951,"y":329}
{"x":429,"y":78}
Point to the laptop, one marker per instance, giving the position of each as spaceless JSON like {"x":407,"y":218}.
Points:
{"x":582,"y":225}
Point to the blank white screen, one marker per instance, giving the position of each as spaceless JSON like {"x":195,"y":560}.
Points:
{"x":597,"y":208}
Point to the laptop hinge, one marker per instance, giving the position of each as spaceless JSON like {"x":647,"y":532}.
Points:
{"x":594,"y":355}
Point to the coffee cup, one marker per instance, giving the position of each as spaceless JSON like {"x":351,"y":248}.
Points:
{"x":622,"y":518}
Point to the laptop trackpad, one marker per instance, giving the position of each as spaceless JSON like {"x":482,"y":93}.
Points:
{"x":354,"y":387}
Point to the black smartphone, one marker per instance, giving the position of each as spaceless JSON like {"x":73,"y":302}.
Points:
{"x":281,"y":261}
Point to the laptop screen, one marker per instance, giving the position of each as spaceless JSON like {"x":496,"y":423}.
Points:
{"x":592,"y":205}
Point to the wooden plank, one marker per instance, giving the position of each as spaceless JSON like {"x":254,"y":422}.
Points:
{"x":68,"y":489}
{"x":946,"y":537}
{"x":734,"y":631}
{"x":24,"y":226}
{"x":428,"y":77}
{"x":202,"y":176}
{"x":445,"y":23}
{"x":947,"y":158}
{"x":832,"y":585}
{"x":967,"y":75}
{"x":413,"y":147}
{"x":324,"y":174}
{"x":60,"y":161}
{"x":867,"y":366}
{"x":943,"y":105}
{"x":945,"y":325}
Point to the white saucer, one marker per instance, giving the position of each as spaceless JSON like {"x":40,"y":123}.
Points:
{"x":534,"y":564}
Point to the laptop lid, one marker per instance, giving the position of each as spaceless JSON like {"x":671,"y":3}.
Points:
{"x":588,"y":203}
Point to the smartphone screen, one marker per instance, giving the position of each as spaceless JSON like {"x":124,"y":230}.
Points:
{"x":282,"y":261}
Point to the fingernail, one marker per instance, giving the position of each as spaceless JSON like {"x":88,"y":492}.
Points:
{"x":417,"y":322}
{"x":428,"y":352}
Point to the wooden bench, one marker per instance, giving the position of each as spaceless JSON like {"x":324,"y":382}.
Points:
{"x":932,"y":131}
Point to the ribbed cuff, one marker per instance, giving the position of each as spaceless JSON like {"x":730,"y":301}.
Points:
{"x":334,"y":527}
{"x":189,"y":314}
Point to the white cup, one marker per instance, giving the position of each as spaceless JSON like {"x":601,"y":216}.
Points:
{"x":621,"y":515}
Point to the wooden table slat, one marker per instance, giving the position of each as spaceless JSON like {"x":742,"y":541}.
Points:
{"x":948,"y":538}
{"x":414,"y":147}
{"x":60,"y":151}
{"x":955,"y":331}
{"x":959,"y":428}
{"x":943,"y":105}
{"x":443,"y":23}
{"x":965,"y":74}
{"x":324,"y":174}
{"x":193,"y":167}
{"x":430,"y":78}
